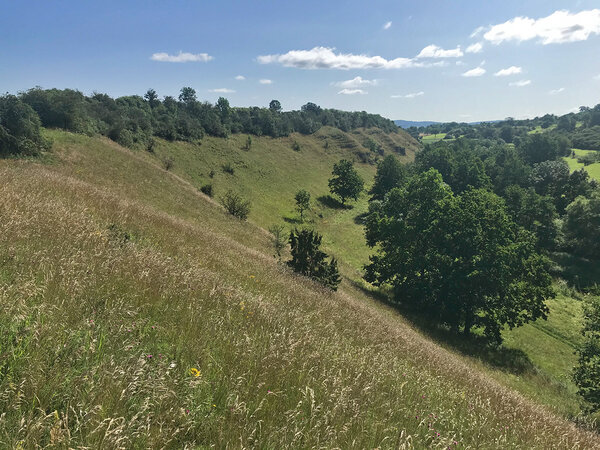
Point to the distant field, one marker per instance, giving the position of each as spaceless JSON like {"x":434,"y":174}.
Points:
{"x":539,"y":129}
{"x":431,"y":138}
{"x":592,"y":169}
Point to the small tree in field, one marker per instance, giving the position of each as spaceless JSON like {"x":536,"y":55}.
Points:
{"x":345,"y":182}
{"x":278,"y":238}
{"x":236,"y":205}
{"x":309,"y":260}
{"x":302,"y":202}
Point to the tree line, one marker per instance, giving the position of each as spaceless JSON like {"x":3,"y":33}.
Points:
{"x":581,"y":129}
{"x":134,"y":120}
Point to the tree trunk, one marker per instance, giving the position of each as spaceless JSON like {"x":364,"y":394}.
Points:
{"x":468,"y":323}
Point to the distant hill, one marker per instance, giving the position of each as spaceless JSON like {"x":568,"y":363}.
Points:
{"x":426,"y":123}
{"x":414,"y":123}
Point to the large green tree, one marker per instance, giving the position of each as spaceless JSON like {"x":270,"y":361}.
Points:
{"x":587,"y":373}
{"x":391,"y":173}
{"x":345,"y":181}
{"x":582,"y":226}
{"x":461,"y":258}
{"x":20,"y":131}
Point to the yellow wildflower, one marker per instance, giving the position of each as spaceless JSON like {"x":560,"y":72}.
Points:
{"x":195,"y":372}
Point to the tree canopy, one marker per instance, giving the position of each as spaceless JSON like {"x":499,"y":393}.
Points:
{"x":460,"y":257}
{"x":345,"y":181}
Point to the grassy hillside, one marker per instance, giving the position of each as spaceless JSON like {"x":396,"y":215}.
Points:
{"x":136,"y":313}
{"x":271,"y":172}
{"x":592,"y":169}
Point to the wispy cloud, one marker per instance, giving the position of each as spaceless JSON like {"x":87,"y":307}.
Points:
{"x":477,"y":31}
{"x":557,"y":28}
{"x":356,"y":82}
{"x":556,"y":91}
{"x":411,"y":95}
{"x":477,"y":47}
{"x":181,"y":57}
{"x":326,"y":58}
{"x":433,"y":51}
{"x":240,"y":77}
{"x":265,"y":81}
{"x":476,"y":72}
{"x":352,"y":92}
{"x":597,"y":77}
{"x":512,"y":70}
{"x":222,"y":90}
{"x":387,"y":25}
{"x":520,"y":83}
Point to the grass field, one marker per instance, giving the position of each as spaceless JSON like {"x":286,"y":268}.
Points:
{"x":135,"y":313}
{"x":592,"y":169}
{"x":432,"y":138}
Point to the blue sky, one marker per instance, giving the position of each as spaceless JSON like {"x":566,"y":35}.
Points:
{"x":527,"y":57}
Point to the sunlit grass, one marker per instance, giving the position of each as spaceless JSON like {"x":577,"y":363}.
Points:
{"x":135,"y":313}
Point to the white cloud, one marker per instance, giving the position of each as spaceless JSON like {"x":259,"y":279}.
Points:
{"x":557,"y":28}
{"x":411,"y":95}
{"x":476,"y":72}
{"x":474,"y":48}
{"x":265,"y":81}
{"x":597,"y":77}
{"x":556,"y":91}
{"x":387,"y":25}
{"x":512,"y":70}
{"x":181,"y":57}
{"x":460,"y":63}
{"x":222,"y":90}
{"x":356,"y":82}
{"x":520,"y":83}
{"x":477,"y":31}
{"x":326,"y":58}
{"x":433,"y":51}
{"x":240,"y":78}
{"x":352,"y":91}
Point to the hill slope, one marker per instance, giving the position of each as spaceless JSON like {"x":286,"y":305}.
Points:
{"x":118,"y":278}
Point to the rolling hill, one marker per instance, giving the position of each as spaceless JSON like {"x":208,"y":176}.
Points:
{"x":136,"y":313}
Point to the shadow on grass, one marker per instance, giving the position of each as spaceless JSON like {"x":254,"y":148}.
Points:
{"x":510,"y":360}
{"x":580,"y":273}
{"x":333,"y":203}
{"x":361,"y":218}
{"x":292,"y":220}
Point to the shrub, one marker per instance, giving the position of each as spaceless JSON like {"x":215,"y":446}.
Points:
{"x":278,"y":238}
{"x":236,"y":205}
{"x":168,"y":163}
{"x":228,"y":168}
{"x":150,"y":145}
{"x":309,"y":260}
{"x":295,"y":146}
{"x":207,"y":189}
{"x":211,"y":174}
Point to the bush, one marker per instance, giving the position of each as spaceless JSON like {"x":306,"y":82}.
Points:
{"x":236,"y":205}
{"x":296,"y":146}
{"x":207,"y":189}
{"x":168,"y":163}
{"x":309,"y":260}
{"x":278,"y":238}
{"x":587,"y":373}
{"x":228,"y":168}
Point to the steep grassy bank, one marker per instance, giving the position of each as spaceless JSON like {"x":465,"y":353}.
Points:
{"x":118,"y":278}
